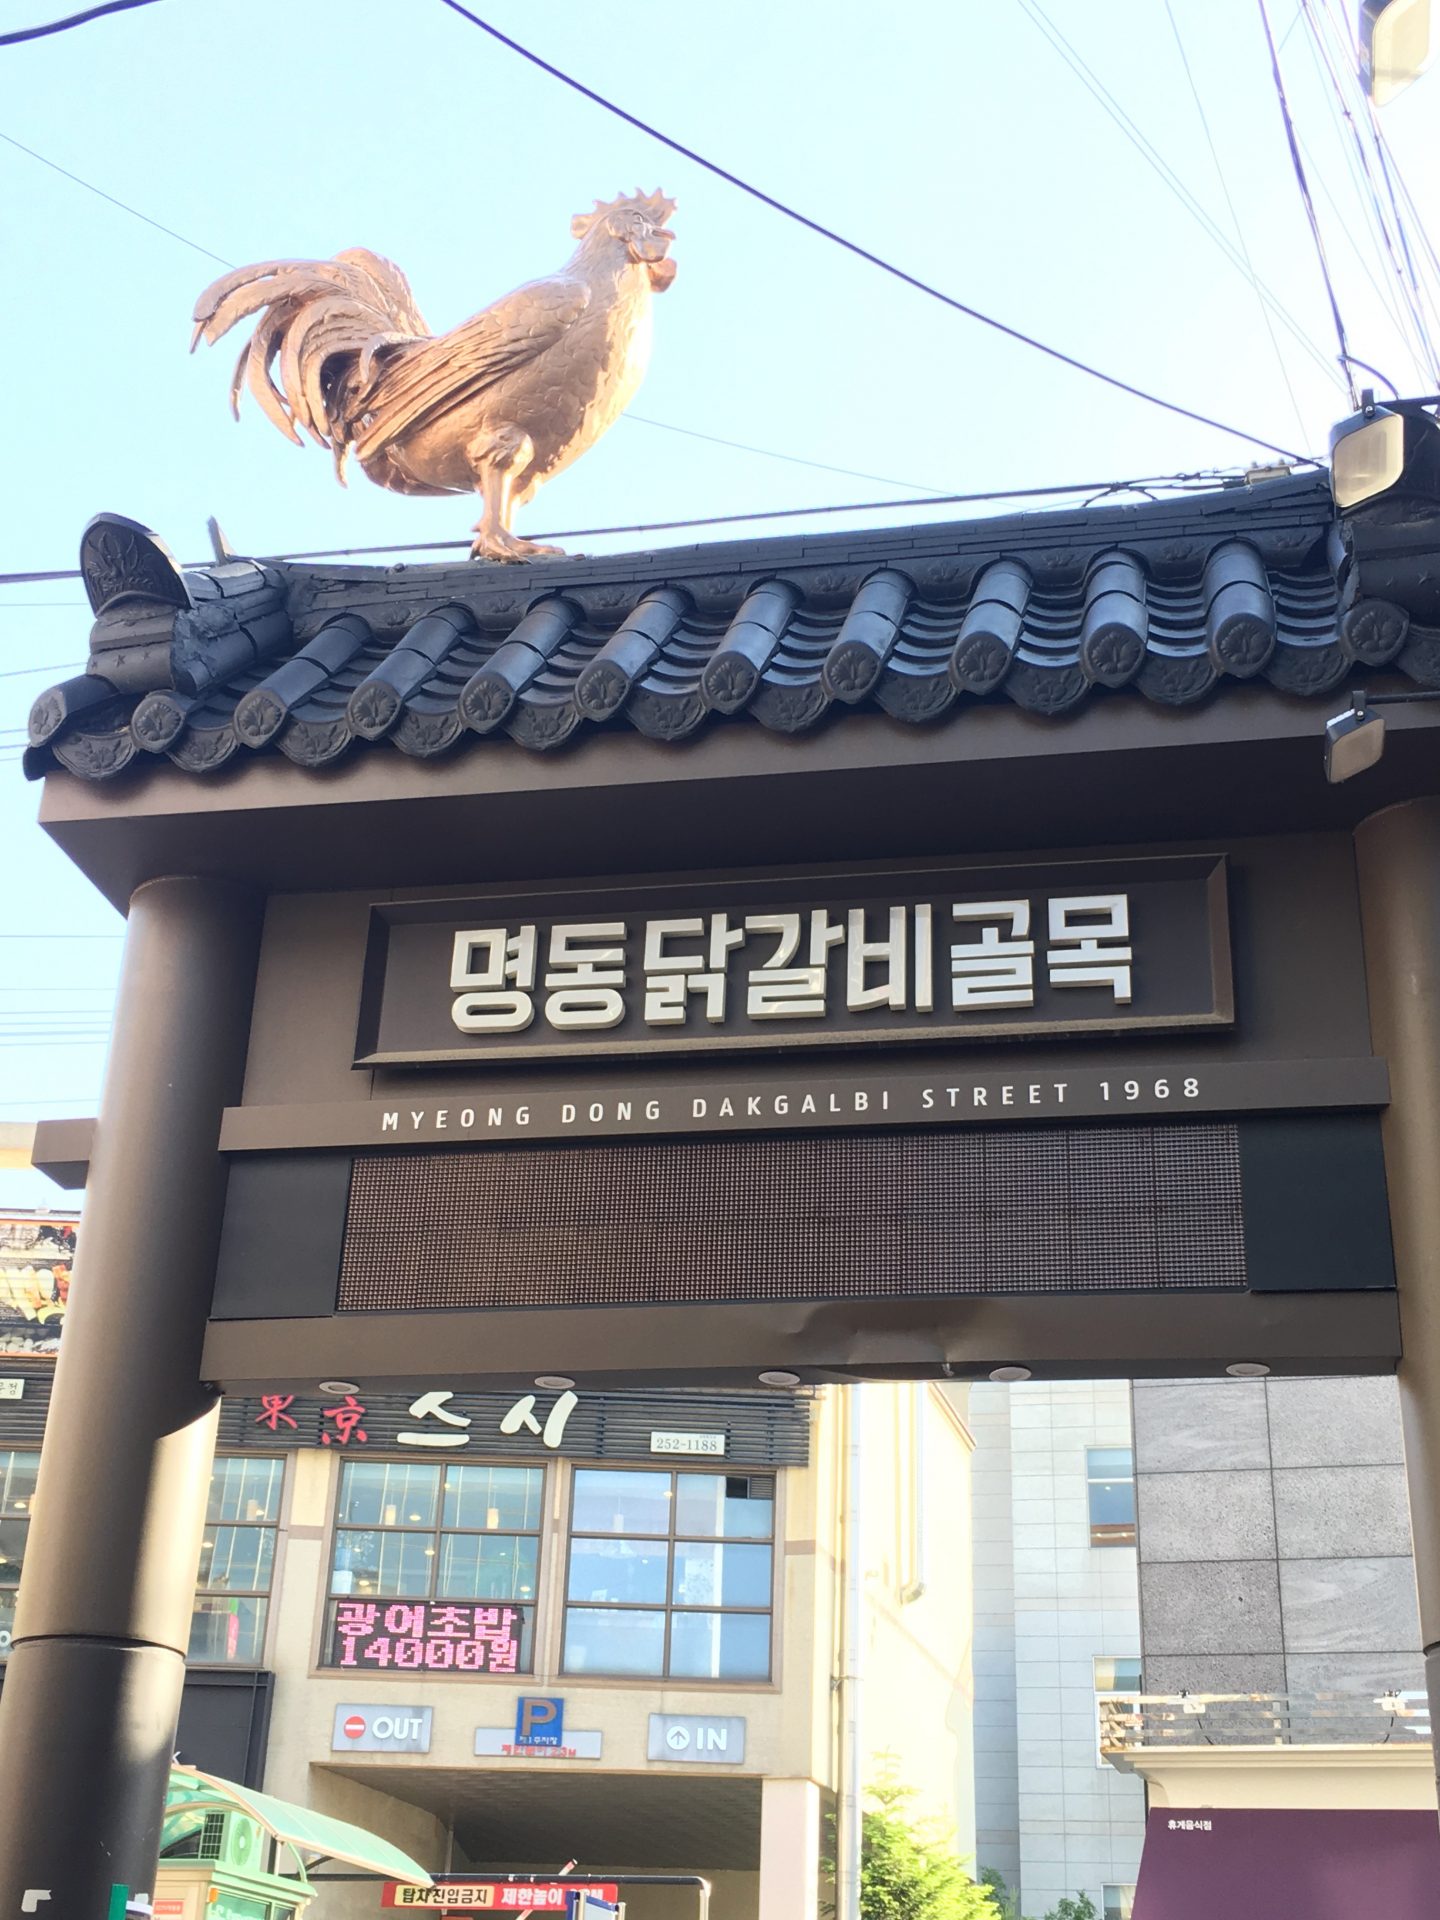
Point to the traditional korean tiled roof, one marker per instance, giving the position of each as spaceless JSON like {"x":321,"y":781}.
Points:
{"x":1167,"y":601}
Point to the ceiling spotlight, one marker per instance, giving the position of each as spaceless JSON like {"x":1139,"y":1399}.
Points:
{"x":338,"y":1386}
{"x":779,"y":1378}
{"x":1005,"y":1375}
{"x":1247,"y":1369}
{"x":556,"y":1382}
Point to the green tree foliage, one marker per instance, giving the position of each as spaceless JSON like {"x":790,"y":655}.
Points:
{"x":1007,"y":1907}
{"x":909,"y":1870}
{"x":1082,"y":1907}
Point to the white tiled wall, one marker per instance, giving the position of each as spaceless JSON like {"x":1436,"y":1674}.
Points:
{"x":1047,"y":1604}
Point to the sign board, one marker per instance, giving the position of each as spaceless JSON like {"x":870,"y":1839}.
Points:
{"x":716,"y":1740}
{"x":500,"y":1743}
{"x":496,"y":1896}
{"x":706,"y":1443}
{"x":539,"y":1721}
{"x":36,"y":1253}
{"x":926,"y":956}
{"x":12,"y":1389}
{"x":380,"y":1727}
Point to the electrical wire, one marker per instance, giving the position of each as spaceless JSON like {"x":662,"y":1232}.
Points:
{"x":71,"y":20}
{"x":1304,"y":185}
{"x":1369,"y":192}
{"x":1269,"y":300}
{"x":768,"y":453}
{"x":1202,"y":481}
{"x":123,"y":205}
{"x":1234,"y":214}
{"x":862,"y":253}
{"x":667,"y":426}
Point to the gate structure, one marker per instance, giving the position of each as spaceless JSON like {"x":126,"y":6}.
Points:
{"x":875,"y":955}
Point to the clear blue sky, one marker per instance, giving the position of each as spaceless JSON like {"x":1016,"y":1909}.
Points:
{"x":951,"y":137}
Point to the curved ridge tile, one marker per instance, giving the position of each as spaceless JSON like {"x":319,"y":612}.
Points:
{"x":489,"y":694}
{"x":734,"y":669}
{"x":1115,"y":626}
{"x":62,"y":706}
{"x":1239,"y":610}
{"x":376,"y":704}
{"x":261,"y":713}
{"x":991,"y":629}
{"x":604,"y":685}
{"x":867,"y":635}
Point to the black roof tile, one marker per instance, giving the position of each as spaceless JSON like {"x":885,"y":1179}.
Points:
{"x":1168,"y":601}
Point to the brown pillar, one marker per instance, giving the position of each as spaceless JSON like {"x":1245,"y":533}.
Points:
{"x":92,"y":1690}
{"x":1398,"y":860}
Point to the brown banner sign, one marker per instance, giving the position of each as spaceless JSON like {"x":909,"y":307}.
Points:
{"x":928,"y":955}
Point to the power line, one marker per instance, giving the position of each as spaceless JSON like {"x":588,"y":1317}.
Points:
{"x":1070,"y":54}
{"x":766,"y":453}
{"x":1200,"y":481}
{"x":1304,"y":185}
{"x":123,"y":205}
{"x":1368,"y":190}
{"x":1234,"y":215}
{"x":71,"y":20}
{"x":862,"y":253}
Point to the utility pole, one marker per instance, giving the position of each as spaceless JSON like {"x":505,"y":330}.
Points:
{"x":851,"y":1820}
{"x":92,"y":1689}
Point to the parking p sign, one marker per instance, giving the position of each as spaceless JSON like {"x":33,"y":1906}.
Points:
{"x":539,"y":1721}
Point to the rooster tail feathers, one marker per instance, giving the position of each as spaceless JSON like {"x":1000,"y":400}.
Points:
{"x":326,"y":321}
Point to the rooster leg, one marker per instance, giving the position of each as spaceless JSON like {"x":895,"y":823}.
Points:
{"x":496,"y":458}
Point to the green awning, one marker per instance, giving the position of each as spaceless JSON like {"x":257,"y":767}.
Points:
{"x":298,"y":1827}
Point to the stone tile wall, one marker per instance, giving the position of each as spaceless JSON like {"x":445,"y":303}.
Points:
{"x":1274,"y":1537}
{"x":1047,"y":1605}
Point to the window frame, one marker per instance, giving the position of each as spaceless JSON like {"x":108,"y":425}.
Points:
{"x":1099,"y":1537}
{"x":327,"y":1597}
{"x":1121,"y":1909}
{"x":668,"y":1606}
{"x":267,"y":1594}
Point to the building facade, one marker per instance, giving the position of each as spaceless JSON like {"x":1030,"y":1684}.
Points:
{"x":1057,"y":1623}
{"x":1274,"y":1537}
{"x":507,"y":1632}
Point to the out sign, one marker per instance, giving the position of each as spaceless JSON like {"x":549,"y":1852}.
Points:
{"x":381,"y":1728}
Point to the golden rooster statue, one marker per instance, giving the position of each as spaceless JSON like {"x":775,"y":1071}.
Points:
{"x":497,"y":406}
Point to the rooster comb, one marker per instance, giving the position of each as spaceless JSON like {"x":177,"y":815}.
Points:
{"x":654,"y":206}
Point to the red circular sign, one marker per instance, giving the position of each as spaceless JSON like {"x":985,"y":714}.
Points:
{"x":353,"y":1727}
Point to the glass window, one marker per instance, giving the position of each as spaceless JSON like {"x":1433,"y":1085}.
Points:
{"x":1110,"y":1473}
{"x":1114,"y":1673}
{"x":237,"y":1562}
{"x":17,"y":1498}
{"x":1119,"y":1903}
{"x":435,"y":1565}
{"x":670,"y":1573}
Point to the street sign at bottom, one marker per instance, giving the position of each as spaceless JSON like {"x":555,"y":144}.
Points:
{"x":498,"y":1896}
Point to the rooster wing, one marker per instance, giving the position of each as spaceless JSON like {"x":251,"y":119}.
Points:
{"x":328,"y":320}
{"x":434,"y":377}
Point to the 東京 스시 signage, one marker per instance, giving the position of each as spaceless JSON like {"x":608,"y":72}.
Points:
{"x":926,"y":955}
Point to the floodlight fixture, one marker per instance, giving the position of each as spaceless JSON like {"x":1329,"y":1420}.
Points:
{"x":1375,"y":450}
{"x":1396,"y":46}
{"x":1355,"y":739}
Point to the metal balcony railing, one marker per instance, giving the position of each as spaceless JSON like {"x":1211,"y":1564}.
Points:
{"x":1131,"y":1722}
